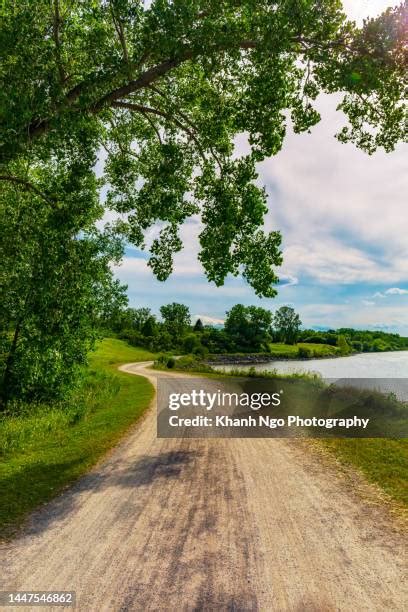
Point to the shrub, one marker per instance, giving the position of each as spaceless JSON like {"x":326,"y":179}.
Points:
{"x":200,"y":351}
{"x":343,"y":345}
{"x":191,"y":343}
{"x":305,"y":353}
{"x":357,"y":345}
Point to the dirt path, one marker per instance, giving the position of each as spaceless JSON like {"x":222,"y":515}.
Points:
{"x":239,"y":524}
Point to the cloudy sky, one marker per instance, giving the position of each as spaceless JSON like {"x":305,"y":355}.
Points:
{"x":344,"y":223}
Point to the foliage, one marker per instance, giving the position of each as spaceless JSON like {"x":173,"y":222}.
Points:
{"x":343,"y":345}
{"x":56,"y":283}
{"x":165,"y":90}
{"x":248,"y":327}
{"x":286,"y":324}
{"x":191,"y":343}
{"x":176,"y":320}
{"x":358,"y":340}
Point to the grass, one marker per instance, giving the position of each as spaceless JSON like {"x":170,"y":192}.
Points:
{"x":383,"y":461}
{"x":43,"y":448}
{"x":293,"y":351}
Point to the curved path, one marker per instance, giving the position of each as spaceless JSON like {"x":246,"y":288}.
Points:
{"x":216,"y":524}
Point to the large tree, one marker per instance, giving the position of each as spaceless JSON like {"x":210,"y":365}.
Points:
{"x":165,"y":90}
{"x":176,"y":320}
{"x":286,"y":323}
{"x":56,"y":285}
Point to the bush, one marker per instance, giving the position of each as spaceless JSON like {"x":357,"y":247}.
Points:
{"x":315,"y":340}
{"x":134,"y":337}
{"x":343,"y":345}
{"x":191,"y":343}
{"x":357,"y":345}
{"x":305,"y":353}
{"x":200,"y":351}
{"x":192,"y":363}
{"x":166,"y":361}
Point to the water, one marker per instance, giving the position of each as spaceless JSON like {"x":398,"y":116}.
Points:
{"x":365,"y":365}
{"x":387,"y":372}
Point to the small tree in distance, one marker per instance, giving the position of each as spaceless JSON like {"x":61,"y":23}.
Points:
{"x":198,"y":326}
{"x":286,"y":323}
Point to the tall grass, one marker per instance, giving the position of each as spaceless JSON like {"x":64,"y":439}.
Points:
{"x":45,"y":447}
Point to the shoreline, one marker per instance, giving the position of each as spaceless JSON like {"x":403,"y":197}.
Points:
{"x":260,"y":358}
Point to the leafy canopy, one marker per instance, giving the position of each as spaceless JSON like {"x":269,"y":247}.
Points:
{"x":56,"y":285}
{"x":165,"y":90}
{"x":248,"y":326}
{"x":286,"y":323}
{"x":176,"y":319}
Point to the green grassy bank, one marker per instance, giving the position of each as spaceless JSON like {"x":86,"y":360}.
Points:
{"x":302,"y":350}
{"x":383,"y":462}
{"x":45,"y":447}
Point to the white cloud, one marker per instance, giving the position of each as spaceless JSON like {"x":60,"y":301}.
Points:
{"x":339,"y":209}
{"x":391,"y":291}
{"x":396,"y":291}
{"x":329,"y":261}
{"x":208,"y":320}
{"x":368,"y":303}
{"x":337,"y":315}
{"x":286,"y":280}
{"x":359,"y":9}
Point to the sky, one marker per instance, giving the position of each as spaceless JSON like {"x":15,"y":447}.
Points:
{"x":344,"y":223}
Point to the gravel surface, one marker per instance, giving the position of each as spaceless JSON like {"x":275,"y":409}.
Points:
{"x":214,"y":524}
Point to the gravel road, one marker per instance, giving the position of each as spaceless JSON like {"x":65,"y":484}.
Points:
{"x":217,"y":524}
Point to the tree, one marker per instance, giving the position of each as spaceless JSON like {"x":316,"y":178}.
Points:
{"x":149,"y":327}
{"x":165,"y":90}
{"x":176,"y":320}
{"x":248,"y":326}
{"x":130,"y":319}
{"x":56,"y":285}
{"x":198,"y":326}
{"x":286,"y":323}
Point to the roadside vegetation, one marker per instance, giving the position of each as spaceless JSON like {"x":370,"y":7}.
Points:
{"x":46,"y":446}
{"x":383,"y":461}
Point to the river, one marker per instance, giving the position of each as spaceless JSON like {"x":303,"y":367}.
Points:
{"x":387,"y":372}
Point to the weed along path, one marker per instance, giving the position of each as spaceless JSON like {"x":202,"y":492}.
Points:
{"x":214,"y":524}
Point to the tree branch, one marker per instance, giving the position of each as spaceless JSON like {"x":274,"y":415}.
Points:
{"x":154,"y":127}
{"x":121,"y":35}
{"x":39,"y":127}
{"x":186,"y":118}
{"x":56,"y":34}
{"x":148,"y":109}
{"x":26,"y":185}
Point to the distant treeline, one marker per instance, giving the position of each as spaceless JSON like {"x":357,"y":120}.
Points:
{"x":246,"y":329}
{"x":358,"y":340}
